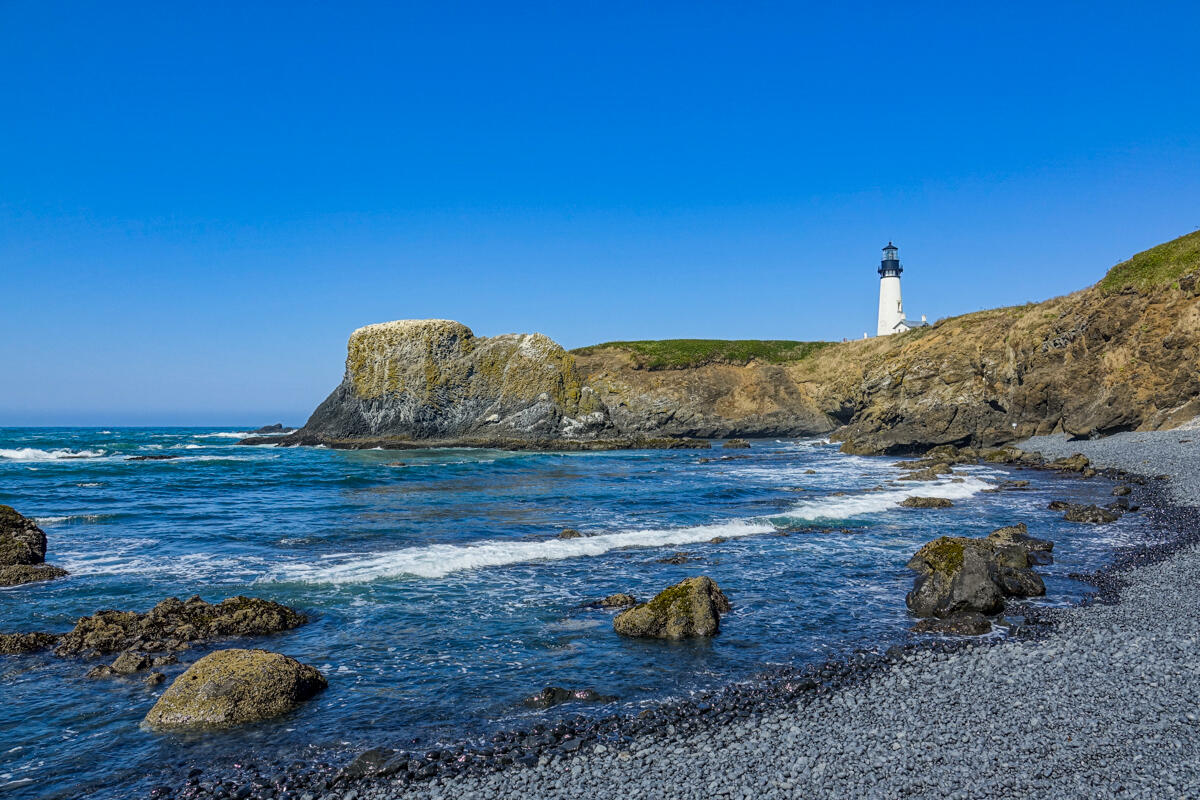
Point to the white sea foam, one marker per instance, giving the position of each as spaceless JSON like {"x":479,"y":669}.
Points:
{"x":866,"y":503}
{"x":439,"y":560}
{"x":224,"y":435}
{"x":34,"y":454}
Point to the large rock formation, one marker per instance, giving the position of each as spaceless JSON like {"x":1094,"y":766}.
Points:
{"x":234,"y":687}
{"x":433,"y":382}
{"x":23,"y":550}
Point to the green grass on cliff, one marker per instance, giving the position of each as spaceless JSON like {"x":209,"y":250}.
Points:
{"x":686,"y":353}
{"x":1158,"y":266}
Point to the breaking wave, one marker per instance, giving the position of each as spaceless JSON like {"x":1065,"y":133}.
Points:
{"x":34,"y":454}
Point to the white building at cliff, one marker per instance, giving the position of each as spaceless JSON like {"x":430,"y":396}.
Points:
{"x":891,"y":306}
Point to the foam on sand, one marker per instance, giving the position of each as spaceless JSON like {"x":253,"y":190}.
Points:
{"x":439,"y":560}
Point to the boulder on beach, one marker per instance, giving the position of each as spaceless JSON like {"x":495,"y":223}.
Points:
{"x":692,"y":607}
{"x":556,"y":695}
{"x":959,"y":574}
{"x":23,"y":550}
{"x":1091,"y":514}
{"x":1121,"y":491}
{"x":15,"y":644}
{"x":173,"y":623}
{"x":926,"y":502}
{"x":233,"y":687}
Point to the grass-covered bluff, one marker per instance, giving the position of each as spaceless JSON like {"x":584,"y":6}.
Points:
{"x":662,"y":354}
{"x":1158,"y":266}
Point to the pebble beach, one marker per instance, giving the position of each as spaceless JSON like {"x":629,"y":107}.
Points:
{"x":1101,"y":704}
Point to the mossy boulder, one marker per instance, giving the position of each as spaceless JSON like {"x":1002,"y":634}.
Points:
{"x":736,"y":444}
{"x":23,"y":550}
{"x":692,"y":607}
{"x":234,"y":687}
{"x":957,"y":575}
{"x":1076,"y":463}
{"x":174,"y":623}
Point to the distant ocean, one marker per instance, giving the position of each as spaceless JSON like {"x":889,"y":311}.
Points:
{"x":438,"y":593}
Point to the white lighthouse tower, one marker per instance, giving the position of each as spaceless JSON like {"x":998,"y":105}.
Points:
{"x":891,"y":307}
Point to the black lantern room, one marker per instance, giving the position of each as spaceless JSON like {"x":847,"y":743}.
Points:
{"x":890,"y":267}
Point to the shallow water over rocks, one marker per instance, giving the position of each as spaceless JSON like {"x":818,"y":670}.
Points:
{"x":439,"y":593}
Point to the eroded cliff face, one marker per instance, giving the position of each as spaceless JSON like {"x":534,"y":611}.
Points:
{"x":436,"y":380}
{"x":1121,"y":355}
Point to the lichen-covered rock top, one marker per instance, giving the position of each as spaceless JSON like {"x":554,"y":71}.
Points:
{"x":173,"y":623}
{"x":436,"y":380}
{"x":233,"y":687}
{"x":692,"y":607}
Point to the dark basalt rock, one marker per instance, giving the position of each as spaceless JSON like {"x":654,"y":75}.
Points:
{"x":173,"y":624}
{"x":127,"y":663}
{"x":556,"y":695}
{"x":1059,"y":505}
{"x":570,"y":533}
{"x":926,"y":502}
{"x":692,"y":607}
{"x":23,"y":550}
{"x":964,"y":623}
{"x":677,"y":558}
{"x":13,"y":644}
{"x":1091,"y":514}
{"x":959,"y":574}
{"x":234,"y":687}
{"x":153,"y":458}
{"x":276,"y":428}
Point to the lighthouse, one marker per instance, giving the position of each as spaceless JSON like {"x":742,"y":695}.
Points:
{"x":891,"y":307}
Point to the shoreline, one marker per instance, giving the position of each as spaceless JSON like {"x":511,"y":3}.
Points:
{"x":536,"y":756}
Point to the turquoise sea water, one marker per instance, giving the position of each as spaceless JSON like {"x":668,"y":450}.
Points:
{"x":438,"y":594}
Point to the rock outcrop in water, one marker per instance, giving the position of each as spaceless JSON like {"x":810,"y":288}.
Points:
{"x":233,"y":687}
{"x":173,"y":624}
{"x":23,"y":550}
{"x":692,"y":607}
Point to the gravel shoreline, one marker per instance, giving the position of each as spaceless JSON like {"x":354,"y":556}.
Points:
{"x":1101,"y":704}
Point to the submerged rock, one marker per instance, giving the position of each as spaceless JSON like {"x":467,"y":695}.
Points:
{"x":173,"y":623}
{"x":556,"y":695}
{"x":619,"y":600}
{"x":29,"y":573}
{"x":153,"y":458}
{"x":1121,"y":491}
{"x":23,"y":550}
{"x":127,"y":663}
{"x":736,"y":444}
{"x":570,"y":533}
{"x":1091,"y":514}
{"x":234,"y":687}
{"x":14,"y":644}
{"x":692,"y":607}
{"x":926,"y":502}
{"x":677,"y":558}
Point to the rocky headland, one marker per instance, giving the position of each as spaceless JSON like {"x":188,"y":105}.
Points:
{"x":1117,"y":356}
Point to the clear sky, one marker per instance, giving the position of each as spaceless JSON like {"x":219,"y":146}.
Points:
{"x":199,"y":201}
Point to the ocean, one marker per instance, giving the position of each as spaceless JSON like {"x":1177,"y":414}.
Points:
{"x":438,"y":593}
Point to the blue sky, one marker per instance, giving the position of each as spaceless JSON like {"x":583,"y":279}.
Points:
{"x":199,"y":202}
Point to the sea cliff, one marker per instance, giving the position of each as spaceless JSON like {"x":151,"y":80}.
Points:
{"x":1117,"y":356}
